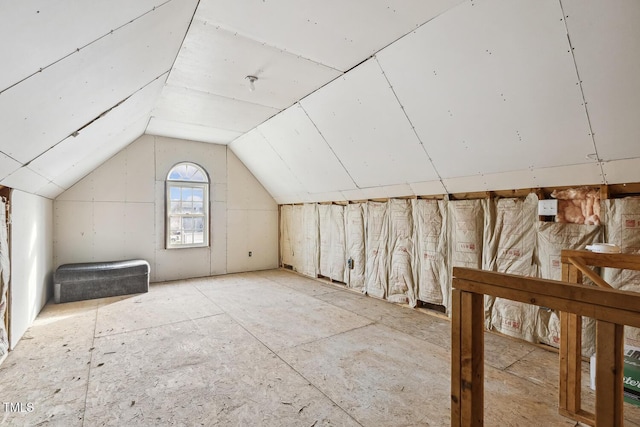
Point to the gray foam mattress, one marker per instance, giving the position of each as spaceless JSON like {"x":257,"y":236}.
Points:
{"x":77,"y":282}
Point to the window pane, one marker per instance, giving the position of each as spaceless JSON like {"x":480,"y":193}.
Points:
{"x":175,"y":237}
{"x":187,"y":207}
{"x":198,"y":194}
{"x":174,"y":192}
{"x":198,"y":176}
{"x":187,"y":172}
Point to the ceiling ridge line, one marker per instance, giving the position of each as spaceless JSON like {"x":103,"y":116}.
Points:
{"x":328,"y":145}
{"x":280,"y":157}
{"x":11,"y":157}
{"x":173,"y":63}
{"x":413,"y":128}
{"x":278,"y":110}
{"x":78,"y":49}
{"x":219,"y":26}
{"x":584,"y":100}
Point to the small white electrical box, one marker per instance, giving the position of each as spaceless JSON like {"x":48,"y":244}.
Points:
{"x":548,"y":207}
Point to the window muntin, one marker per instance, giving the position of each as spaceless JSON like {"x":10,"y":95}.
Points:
{"x":187,"y":207}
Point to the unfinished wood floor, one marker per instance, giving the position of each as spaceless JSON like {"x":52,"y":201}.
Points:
{"x":268,"y":348}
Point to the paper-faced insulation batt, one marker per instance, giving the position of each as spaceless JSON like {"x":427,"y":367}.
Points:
{"x":332,"y":241}
{"x":622,"y":227}
{"x":510,"y":237}
{"x":402,"y":287}
{"x":354,"y":235}
{"x":377,"y":234}
{"x":431,"y":262}
{"x":552,"y":239}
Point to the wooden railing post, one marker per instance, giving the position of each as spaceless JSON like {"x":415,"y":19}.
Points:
{"x":570,"y":377}
{"x":609,"y":374}
{"x":467,"y":356}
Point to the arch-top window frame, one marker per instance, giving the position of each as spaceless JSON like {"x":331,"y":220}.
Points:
{"x":187,"y":206}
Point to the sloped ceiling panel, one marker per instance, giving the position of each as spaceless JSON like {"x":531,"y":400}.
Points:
{"x":336,"y":33}
{"x":94,"y":159}
{"x":360,"y":118}
{"x":26,"y":180}
{"x":303,"y":149}
{"x":493,"y":88}
{"x":268,"y":168}
{"x":189,"y":131}
{"x":209,"y":110}
{"x":605,"y":37}
{"x":582,"y":174}
{"x":7,"y":166}
{"x":63,"y":26}
{"x":69,"y":161}
{"x":47,"y":107}
{"x":209,"y":62}
{"x":99,"y":135}
{"x":621,"y":171}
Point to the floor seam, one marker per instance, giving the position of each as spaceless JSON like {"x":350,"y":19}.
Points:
{"x":191,"y":319}
{"x":91,"y":350}
{"x":287,"y":363}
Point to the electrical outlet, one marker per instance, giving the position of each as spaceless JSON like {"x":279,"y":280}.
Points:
{"x":548,"y":207}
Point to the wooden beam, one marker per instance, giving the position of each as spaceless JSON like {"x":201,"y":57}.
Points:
{"x":594,"y":310}
{"x":522,"y":287}
{"x":609,"y":374}
{"x":594,"y":259}
{"x":580,"y":265}
{"x":467,"y":359}
{"x":456,"y":357}
{"x":570,"y":400}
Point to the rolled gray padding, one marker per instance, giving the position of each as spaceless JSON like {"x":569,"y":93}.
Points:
{"x":78,"y":282}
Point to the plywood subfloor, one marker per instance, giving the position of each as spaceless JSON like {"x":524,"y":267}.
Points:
{"x":268,"y":348}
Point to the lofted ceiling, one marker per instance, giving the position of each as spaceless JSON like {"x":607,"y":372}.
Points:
{"x":354,"y":99}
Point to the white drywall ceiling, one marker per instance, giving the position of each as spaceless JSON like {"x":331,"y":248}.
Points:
{"x":62,"y":26}
{"x":354,"y":99}
{"x":296,"y":140}
{"x":73,"y":72}
{"x":361,"y":119}
{"x":605,"y":37}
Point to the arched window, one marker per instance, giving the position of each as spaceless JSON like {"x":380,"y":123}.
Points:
{"x":187,"y":206}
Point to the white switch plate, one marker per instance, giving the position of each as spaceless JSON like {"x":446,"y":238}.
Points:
{"x":548,"y":207}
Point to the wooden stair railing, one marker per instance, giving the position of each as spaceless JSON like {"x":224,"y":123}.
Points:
{"x":575,"y":264}
{"x":610,"y":308}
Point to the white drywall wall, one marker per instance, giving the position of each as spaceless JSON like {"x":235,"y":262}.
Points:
{"x":31,"y":259}
{"x":117,"y":212}
{"x":252,"y":221}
